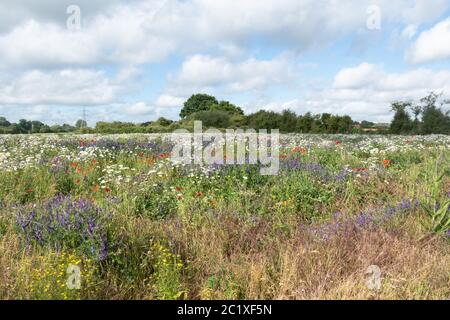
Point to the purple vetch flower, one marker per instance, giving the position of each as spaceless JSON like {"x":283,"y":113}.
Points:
{"x":364,"y":220}
{"x":103,"y":249}
{"x":66,"y":223}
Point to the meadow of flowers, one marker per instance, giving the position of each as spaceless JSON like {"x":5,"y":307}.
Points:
{"x":141,"y":227}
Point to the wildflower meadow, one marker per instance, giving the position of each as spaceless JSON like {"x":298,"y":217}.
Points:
{"x":112,"y":217}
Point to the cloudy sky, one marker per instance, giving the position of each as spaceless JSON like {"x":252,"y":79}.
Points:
{"x":136,"y":60}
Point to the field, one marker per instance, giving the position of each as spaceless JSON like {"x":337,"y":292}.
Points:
{"x":111,"y":217}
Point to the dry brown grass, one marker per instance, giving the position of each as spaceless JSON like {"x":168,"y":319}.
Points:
{"x":248,"y":262}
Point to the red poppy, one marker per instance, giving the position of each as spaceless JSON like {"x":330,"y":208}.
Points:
{"x":386,"y":163}
{"x":107,"y":190}
{"x":198,"y":194}
{"x":178,"y":189}
{"x":337,"y":142}
{"x":29,"y":190}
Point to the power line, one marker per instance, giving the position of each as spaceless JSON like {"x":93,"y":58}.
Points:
{"x":84,"y":124}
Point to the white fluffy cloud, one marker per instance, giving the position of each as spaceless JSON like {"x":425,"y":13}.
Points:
{"x":366,"y":91}
{"x":139,"y":108}
{"x":200,"y":71}
{"x":150,"y":31}
{"x":223,"y":45}
{"x":432,"y":44}
{"x":118,"y":36}
{"x":169,"y":101}
{"x":352,"y":93}
{"x":64,"y":87}
{"x":353,"y":78}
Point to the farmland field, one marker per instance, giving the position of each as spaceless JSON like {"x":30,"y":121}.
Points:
{"x":111,"y":217}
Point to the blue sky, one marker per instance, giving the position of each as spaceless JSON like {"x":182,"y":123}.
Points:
{"x":138,"y":60}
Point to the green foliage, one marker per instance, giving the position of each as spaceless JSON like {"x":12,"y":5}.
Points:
{"x":436,"y":206}
{"x":401,"y":124}
{"x":64,"y":183}
{"x":264,"y":120}
{"x":213,"y":118}
{"x":4,"y":122}
{"x":428,"y":118}
{"x":167,"y":276}
{"x":227,"y":107}
{"x":155,"y":202}
{"x":196,"y":103}
{"x":49,"y":279}
{"x":434,"y":120}
{"x":81,"y":124}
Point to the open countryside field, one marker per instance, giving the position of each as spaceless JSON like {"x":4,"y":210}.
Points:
{"x":346,"y":217}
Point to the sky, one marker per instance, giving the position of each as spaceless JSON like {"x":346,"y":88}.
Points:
{"x":138,"y":60}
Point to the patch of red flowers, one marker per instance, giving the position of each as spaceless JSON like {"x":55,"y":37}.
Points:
{"x":298,"y":149}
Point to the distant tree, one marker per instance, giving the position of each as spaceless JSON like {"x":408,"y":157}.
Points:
{"x":401,"y":123}
{"x":325,"y":122}
{"x":164,"y":122}
{"x":264,"y":120}
{"x":24,"y":126}
{"x":288,"y":121}
{"x":238,"y":120}
{"x":366,"y":124}
{"x":226,"y":106}
{"x":36,"y":126}
{"x":345,"y":124}
{"x":416,"y":111}
{"x":305,"y":123}
{"x":4,"y":122}
{"x":434,"y":120}
{"x":45,"y":129}
{"x":196,"y":103}
{"x":213,"y":118}
{"x":81,"y":124}
{"x":14,"y":128}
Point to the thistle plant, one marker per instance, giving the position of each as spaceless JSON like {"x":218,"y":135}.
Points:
{"x":438,"y":210}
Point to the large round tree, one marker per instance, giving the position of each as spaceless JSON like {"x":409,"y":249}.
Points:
{"x":196,"y":103}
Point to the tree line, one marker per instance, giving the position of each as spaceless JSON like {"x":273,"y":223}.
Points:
{"x":426,"y":117}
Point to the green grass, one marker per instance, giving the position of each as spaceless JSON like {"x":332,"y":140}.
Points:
{"x":172,"y":233}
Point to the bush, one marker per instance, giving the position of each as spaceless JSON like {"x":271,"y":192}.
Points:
{"x":213,"y":118}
